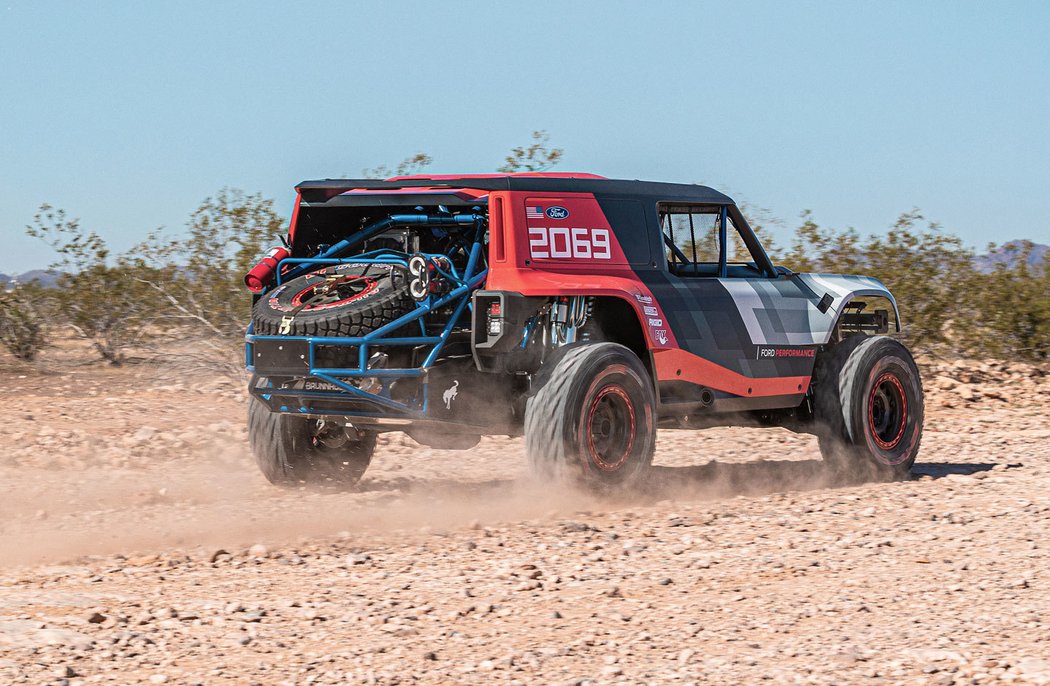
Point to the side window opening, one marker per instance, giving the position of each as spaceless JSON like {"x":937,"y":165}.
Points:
{"x":693,"y":236}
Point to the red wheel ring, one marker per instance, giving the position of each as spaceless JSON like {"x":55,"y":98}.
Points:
{"x":610,"y":422}
{"x":887,"y":411}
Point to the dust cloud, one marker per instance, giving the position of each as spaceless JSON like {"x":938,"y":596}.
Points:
{"x":211,"y":495}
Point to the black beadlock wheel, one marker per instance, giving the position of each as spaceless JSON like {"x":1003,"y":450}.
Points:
{"x":293,"y":451}
{"x":593,"y":420}
{"x":338,"y":300}
{"x":869,"y":407}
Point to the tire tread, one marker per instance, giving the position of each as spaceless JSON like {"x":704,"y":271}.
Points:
{"x":549,"y":414}
{"x":286,"y":460}
{"x":837,"y":374}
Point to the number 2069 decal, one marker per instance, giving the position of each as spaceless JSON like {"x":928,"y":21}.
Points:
{"x":564,"y":243}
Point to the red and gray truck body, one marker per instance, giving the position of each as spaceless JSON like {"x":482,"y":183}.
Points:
{"x":554,"y":257}
{"x":739,"y":336}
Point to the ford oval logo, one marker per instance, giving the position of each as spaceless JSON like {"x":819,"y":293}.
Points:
{"x":557,"y":212}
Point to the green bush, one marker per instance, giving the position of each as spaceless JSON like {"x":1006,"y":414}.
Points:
{"x":199,"y":277}
{"x":21,"y":325}
{"x":102,"y":300}
{"x":948,"y":305}
{"x":1011,"y":313}
{"x":192,"y":284}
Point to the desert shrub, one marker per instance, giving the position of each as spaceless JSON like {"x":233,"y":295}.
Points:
{"x":22,"y":330}
{"x":820,"y":249}
{"x":198,"y":277}
{"x":192,"y":284}
{"x":928,"y":271}
{"x":413,"y":164}
{"x":101,"y":299}
{"x":948,"y":303}
{"x":1010,"y":315}
{"x":538,"y":156}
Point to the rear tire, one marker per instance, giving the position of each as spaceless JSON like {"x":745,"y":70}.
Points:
{"x":592,"y":422}
{"x":869,"y":408}
{"x":291,"y":452}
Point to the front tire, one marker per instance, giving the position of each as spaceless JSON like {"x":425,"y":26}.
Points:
{"x":293,"y":451}
{"x":593,"y":420}
{"x":869,"y":408}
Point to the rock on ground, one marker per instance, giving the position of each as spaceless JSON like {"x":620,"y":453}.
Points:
{"x":140,"y":545}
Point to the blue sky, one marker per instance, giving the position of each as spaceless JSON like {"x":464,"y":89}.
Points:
{"x":129,"y":114}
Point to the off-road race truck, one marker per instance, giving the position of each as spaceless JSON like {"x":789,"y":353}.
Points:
{"x":580,"y":311}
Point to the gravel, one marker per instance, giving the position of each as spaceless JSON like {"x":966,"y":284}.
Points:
{"x":163,"y":557}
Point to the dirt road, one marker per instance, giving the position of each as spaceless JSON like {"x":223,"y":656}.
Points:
{"x":139,"y":545}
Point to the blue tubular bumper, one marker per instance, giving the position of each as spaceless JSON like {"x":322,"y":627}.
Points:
{"x":332,"y":390}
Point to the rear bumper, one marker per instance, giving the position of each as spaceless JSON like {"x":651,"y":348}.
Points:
{"x":318,"y":397}
{"x":455,"y":398}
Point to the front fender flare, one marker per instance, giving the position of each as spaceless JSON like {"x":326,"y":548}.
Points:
{"x":843,"y":289}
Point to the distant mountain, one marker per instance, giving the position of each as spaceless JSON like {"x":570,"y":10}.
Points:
{"x":45,"y":277}
{"x":1009,"y":254}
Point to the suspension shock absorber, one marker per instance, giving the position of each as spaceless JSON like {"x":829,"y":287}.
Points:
{"x":567,"y":316}
{"x":559,"y":320}
{"x":584,"y":334}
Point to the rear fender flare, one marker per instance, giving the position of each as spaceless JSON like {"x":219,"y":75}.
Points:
{"x":619,"y":284}
{"x":624,"y":324}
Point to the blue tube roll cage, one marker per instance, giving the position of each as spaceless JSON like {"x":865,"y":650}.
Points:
{"x":459,"y":296}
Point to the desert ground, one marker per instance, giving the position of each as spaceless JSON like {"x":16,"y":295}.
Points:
{"x":139,"y":544}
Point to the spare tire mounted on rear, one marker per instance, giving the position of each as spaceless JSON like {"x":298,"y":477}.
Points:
{"x":339,"y":300}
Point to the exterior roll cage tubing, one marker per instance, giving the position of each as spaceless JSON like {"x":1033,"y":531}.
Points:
{"x":723,"y":253}
{"x":378,"y":227}
{"x":754,"y":246}
{"x":473,"y":275}
{"x":675,"y":249}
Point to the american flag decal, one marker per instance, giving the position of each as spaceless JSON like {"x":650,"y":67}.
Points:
{"x":533,"y":212}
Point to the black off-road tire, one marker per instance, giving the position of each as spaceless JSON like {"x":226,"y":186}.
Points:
{"x":869,"y":408}
{"x":375,"y":295}
{"x":592,"y":422}
{"x":288,"y":453}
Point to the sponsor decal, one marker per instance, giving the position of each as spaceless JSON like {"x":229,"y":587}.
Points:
{"x":450,"y":394}
{"x":647,"y":299}
{"x":560,"y":243}
{"x":557,"y":212}
{"x":359,"y":265}
{"x":650,"y":311}
{"x":310,"y":385}
{"x":273,"y":299}
{"x":661,"y":336}
{"x":766,"y":352}
{"x":656,"y":322}
{"x":319,"y":386}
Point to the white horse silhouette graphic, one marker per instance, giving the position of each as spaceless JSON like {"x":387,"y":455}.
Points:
{"x":451,"y":394}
